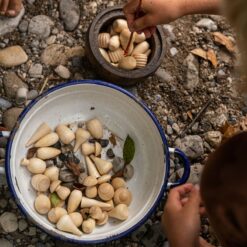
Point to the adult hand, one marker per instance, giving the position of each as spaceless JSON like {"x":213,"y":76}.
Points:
{"x":181,"y":220}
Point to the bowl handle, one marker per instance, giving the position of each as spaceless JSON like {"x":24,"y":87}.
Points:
{"x":186,"y":164}
{"x":3,"y":134}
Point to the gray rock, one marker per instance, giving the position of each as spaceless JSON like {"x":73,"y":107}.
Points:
{"x":62,"y":71}
{"x":163,"y":75}
{"x":3,"y":142}
{"x":70,"y":14}
{"x":3,"y":204}
{"x":169,"y":34}
{"x":8,"y":25}
{"x":92,"y":8}
{"x":5,"y":243}
{"x":169,"y":130}
{"x":22,"y":225}
{"x":217,"y":118}
{"x":51,"y":40}
{"x":191,"y":65}
{"x":4,"y":104}
{"x":176,"y":128}
{"x":12,"y":83}
{"x":191,"y":145}
{"x":32,"y":94}
{"x":173,"y":51}
{"x":41,"y":26}
{"x":214,"y":138}
{"x":35,"y":70}
{"x":10,"y":117}
{"x":23,"y":27}
{"x":208,"y":24}
{"x":8,"y":222}
{"x":31,"y":1}
{"x":2,"y":153}
{"x":32,"y":231}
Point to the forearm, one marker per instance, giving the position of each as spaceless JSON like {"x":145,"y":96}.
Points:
{"x":189,"y":7}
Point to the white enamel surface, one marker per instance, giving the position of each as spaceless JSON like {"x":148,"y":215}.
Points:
{"x":122,"y":116}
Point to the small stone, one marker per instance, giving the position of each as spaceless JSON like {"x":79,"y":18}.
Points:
{"x":66,"y":176}
{"x":214,"y":138}
{"x":5,"y":243}
{"x":3,"y":142}
{"x":12,"y":56}
{"x":163,"y":75}
{"x":173,"y":51}
{"x":22,"y":225}
{"x":36,"y":70}
{"x":3,"y":203}
{"x":21,"y":96}
{"x":2,"y":153}
{"x":51,"y":40}
{"x":168,"y":30}
{"x":176,"y":128}
{"x":41,"y":26}
{"x":63,"y":72}
{"x":8,"y":222}
{"x":118,"y":164}
{"x":4,"y":104}
{"x":92,"y":8}
{"x":169,"y":130}
{"x":208,"y":24}
{"x":32,"y":94}
{"x":70,"y":14}
{"x":32,"y":231}
{"x":12,"y":83}
{"x":8,"y":25}
{"x":192,"y":146}
{"x":191,"y":65}
{"x":128,"y":172}
{"x":23,"y":26}
{"x":110,"y":154}
{"x":10,"y":117}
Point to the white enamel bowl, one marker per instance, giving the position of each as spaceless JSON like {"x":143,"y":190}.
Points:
{"x":123,"y":114}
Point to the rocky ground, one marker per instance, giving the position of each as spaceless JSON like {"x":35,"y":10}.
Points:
{"x":44,"y":46}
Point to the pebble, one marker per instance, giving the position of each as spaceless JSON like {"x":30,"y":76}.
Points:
{"x":8,"y":25}
{"x":36,"y":70}
{"x":32,"y":94}
{"x":23,"y":26}
{"x":191,"y":65}
{"x":3,"y":203}
{"x":32,"y":231}
{"x":41,"y":26}
{"x":168,"y":30}
{"x":12,"y":56}
{"x":21,"y":95}
{"x":62,"y":71}
{"x":176,"y":128}
{"x":208,"y":24}
{"x":169,"y":130}
{"x":163,"y":75}
{"x":173,"y":51}
{"x":5,"y":243}
{"x":2,"y":153}
{"x":8,"y":222}
{"x":214,"y":138}
{"x":22,"y":225}
{"x":66,"y":176}
{"x":70,"y":14}
{"x":51,"y":40}
{"x":10,"y":117}
{"x":12,"y":83}
{"x":118,"y":164}
{"x":191,"y":145}
{"x":92,"y":8}
{"x":4,"y":104}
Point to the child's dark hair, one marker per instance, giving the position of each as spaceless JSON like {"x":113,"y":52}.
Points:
{"x":224,"y":191}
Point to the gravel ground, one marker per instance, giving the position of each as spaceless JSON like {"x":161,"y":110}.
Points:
{"x":181,"y":87}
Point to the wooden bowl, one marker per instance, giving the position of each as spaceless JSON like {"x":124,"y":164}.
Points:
{"x":116,"y":75}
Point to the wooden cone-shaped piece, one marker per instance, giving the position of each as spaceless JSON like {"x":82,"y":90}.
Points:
{"x":47,"y":153}
{"x":52,"y":173}
{"x":120,"y":212}
{"x":66,"y":224}
{"x":87,"y":148}
{"x":103,"y":166}
{"x":74,"y":200}
{"x":47,"y":140}
{"x":81,"y":136}
{"x":55,"y":214}
{"x":66,"y":135}
{"x":98,"y":149}
{"x":95,"y":128}
{"x":43,"y":130}
{"x":76,"y":218}
{"x":88,"y":203}
{"x":92,"y":171}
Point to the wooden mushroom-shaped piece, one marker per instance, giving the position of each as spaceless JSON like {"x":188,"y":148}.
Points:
{"x":122,"y":196}
{"x":95,"y":128}
{"x":81,"y":136}
{"x":141,"y":48}
{"x":66,"y":224}
{"x":103,"y":220}
{"x":52,"y":173}
{"x":40,"y":182}
{"x":92,"y":170}
{"x":66,"y":135}
{"x":119,"y":24}
{"x":104,"y":179}
{"x":103,"y":40}
{"x":43,"y":130}
{"x":47,"y":153}
{"x":95,"y":212}
{"x":88,"y":225}
{"x":87,"y":148}
{"x":114,"y":43}
{"x":42,"y":204}
{"x":74,"y":200}
{"x":105,"y":192}
{"x":116,"y":55}
{"x":103,"y":166}
{"x":88,"y":203}
{"x":141,"y":60}
{"x":127,"y":63}
{"x":34,"y":165}
{"x":91,"y":192}
{"x":120,"y":212}
{"x":90,"y":181}
{"x":48,"y":140}
{"x":55,"y":214}
{"x":118,"y":183}
{"x":62,"y":191}
{"x":76,"y":218}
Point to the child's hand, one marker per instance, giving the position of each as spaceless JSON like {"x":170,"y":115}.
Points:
{"x":182,"y":220}
{"x":155,"y":12}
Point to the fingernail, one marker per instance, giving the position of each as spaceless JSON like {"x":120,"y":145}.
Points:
{"x":197,"y":187}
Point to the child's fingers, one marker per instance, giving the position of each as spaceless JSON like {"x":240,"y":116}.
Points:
{"x":129,"y":11}
{"x":143,"y":22}
{"x":194,"y":200}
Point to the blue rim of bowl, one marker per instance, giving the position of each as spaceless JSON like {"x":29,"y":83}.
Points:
{"x":166,"y":161}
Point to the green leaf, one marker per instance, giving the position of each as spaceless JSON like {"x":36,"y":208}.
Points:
{"x":55,"y":200}
{"x":128,"y":150}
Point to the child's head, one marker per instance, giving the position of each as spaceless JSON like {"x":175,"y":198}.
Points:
{"x":224,"y":191}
